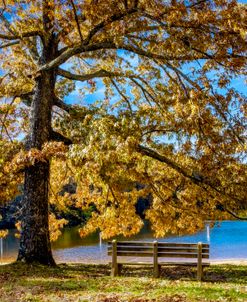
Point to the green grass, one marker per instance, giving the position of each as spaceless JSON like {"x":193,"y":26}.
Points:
{"x":19,"y":282}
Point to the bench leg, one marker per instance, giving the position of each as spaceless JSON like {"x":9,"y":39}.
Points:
{"x":120,"y":266}
{"x":199,"y":262}
{"x":155,"y":260}
{"x":156,"y":272}
{"x":200,"y":273}
{"x":114,"y":270}
{"x":114,"y":264}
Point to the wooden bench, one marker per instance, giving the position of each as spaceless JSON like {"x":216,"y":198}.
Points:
{"x":158,"y":254}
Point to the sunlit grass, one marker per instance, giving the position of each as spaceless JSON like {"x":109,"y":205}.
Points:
{"x":93,"y":283}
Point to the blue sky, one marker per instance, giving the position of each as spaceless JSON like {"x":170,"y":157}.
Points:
{"x":99,"y":94}
{"x":89,"y":98}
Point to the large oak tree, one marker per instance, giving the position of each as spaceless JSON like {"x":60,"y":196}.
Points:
{"x":170,"y":123}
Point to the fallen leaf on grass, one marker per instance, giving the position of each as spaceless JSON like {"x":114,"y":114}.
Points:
{"x":175,"y":298}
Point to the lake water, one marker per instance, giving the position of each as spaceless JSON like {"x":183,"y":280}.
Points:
{"x":228,"y":240}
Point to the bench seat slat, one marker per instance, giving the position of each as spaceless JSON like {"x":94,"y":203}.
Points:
{"x":136,"y":254}
{"x":180,"y":255}
{"x":181,"y":249}
{"x":182,"y":263}
{"x":160,"y":244}
{"x":134,"y":243}
{"x":174,"y":244}
{"x":133,"y":249}
{"x":160,"y":255}
{"x":170,"y":263}
{"x":160,"y":249}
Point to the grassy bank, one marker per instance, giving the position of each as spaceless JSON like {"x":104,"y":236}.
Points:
{"x":92,"y":283}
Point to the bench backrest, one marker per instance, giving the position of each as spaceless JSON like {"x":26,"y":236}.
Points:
{"x":161,"y":249}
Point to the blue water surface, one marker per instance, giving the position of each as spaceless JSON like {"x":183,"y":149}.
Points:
{"x":228,"y":241}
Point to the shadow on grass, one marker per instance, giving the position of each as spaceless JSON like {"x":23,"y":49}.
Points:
{"x":59,"y":271}
{"x":215,"y":273}
{"x":220,"y":274}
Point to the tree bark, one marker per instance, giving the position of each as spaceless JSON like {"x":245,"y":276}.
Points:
{"x":35,"y":246}
{"x":35,"y":239}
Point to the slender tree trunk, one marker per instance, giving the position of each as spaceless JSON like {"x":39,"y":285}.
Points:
{"x":35,"y":243}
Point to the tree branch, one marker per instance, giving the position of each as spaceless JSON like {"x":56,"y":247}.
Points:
{"x":26,"y":98}
{"x":126,"y":4}
{"x":110,"y":20}
{"x":196,"y":178}
{"x":221,"y":207}
{"x":20,"y":36}
{"x":72,"y":51}
{"x":82,"y":78}
{"x":76,"y":19}
{"x":4,"y":7}
{"x":162,"y":131}
{"x":102,"y":73}
{"x":81,"y":48}
{"x":3,"y":120}
{"x":179,"y":72}
{"x":59,"y":103}
{"x":235,"y":215}
{"x":7,"y":24}
{"x":55,"y":136}
{"x":122,"y":95}
{"x":152,"y":153}
{"x":9,"y":44}
{"x":135,"y":4}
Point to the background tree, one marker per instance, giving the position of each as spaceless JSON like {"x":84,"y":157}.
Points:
{"x":169,"y":118}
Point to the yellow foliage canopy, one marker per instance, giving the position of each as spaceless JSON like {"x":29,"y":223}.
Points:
{"x":170,"y":124}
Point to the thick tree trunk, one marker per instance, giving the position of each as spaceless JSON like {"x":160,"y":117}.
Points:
{"x":35,"y":243}
{"x":35,"y":240}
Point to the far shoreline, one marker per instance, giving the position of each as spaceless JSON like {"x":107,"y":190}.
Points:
{"x":232,"y":261}
{"x":228,"y":261}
